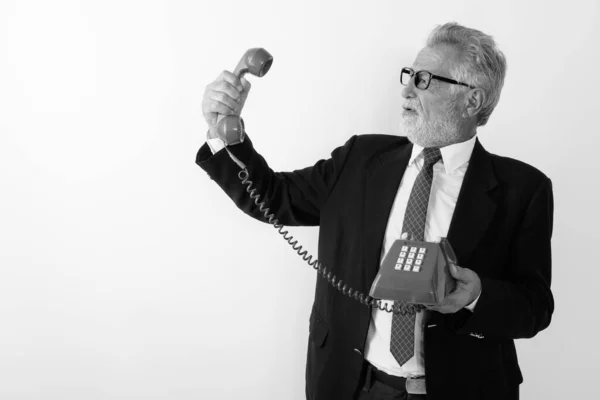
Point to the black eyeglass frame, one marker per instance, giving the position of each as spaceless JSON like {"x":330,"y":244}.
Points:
{"x":412,"y":74}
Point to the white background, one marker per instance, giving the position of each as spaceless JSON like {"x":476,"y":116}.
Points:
{"x":125,"y":272}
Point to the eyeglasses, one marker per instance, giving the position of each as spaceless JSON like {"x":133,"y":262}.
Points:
{"x":423,"y":78}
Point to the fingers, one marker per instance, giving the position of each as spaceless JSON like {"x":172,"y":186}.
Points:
{"x":223,"y":92}
{"x":447,"y":309}
{"x":467,"y":289}
{"x":450,"y":304}
{"x":224,"y":99}
{"x":225,"y":96}
{"x":438,"y":308}
{"x":217,"y":107}
{"x":231,"y":79}
{"x":218,"y":102}
{"x":228,"y":89}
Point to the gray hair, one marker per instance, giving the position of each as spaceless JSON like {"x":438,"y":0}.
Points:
{"x":483,"y":64}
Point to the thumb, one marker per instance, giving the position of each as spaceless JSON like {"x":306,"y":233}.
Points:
{"x":245,"y":84}
{"x":456,"y":271}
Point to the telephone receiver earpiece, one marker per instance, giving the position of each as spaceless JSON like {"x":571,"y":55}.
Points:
{"x":256,"y":62}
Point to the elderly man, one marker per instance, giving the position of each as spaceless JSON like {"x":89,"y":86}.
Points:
{"x":438,"y":181}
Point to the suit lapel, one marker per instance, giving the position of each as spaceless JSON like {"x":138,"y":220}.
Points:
{"x":382,"y":179}
{"x":474,"y":207}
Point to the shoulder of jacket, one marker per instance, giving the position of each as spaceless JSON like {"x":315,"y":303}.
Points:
{"x":376,"y":140}
{"x":516,"y":170}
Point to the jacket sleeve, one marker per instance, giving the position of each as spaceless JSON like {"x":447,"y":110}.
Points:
{"x":523,"y":306}
{"x":294,"y":197}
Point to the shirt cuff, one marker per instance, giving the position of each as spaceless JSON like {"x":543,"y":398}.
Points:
{"x":471,"y":306}
{"x":215,"y":144}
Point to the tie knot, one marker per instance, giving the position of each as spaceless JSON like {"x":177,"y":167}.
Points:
{"x":431,"y":155}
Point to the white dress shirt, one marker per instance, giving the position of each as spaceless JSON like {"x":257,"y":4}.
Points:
{"x":448,"y":177}
{"x":217,"y":144}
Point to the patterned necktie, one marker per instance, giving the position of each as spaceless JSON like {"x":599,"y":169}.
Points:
{"x":403,"y":326}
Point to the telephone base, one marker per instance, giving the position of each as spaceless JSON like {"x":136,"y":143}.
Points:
{"x":415,"y":272}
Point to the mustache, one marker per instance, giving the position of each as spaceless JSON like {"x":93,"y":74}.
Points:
{"x":412,"y":106}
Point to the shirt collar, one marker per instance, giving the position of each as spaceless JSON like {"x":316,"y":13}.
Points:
{"x":453,"y":156}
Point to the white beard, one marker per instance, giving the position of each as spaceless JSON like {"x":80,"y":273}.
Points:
{"x":440,"y":132}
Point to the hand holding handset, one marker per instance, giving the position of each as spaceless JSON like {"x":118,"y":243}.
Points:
{"x":256,"y":62}
{"x":425,"y":285}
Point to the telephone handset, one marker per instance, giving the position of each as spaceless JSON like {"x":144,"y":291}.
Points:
{"x":256,"y":62}
{"x":425,"y":282}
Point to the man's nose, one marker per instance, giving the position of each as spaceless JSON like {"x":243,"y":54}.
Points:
{"x":409,"y":91}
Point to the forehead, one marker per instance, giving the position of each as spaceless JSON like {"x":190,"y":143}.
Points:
{"x":437,"y":59}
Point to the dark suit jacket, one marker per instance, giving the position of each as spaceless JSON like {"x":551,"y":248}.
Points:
{"x":501,"y":229}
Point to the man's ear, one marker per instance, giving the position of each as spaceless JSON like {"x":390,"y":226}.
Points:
{"x":474,"y":99}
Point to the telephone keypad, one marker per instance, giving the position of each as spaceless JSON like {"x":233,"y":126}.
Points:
{"x":410,"y":258}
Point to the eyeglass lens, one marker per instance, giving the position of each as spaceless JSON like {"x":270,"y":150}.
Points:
{"x":405,"y":76}
{"x":422,"y":78}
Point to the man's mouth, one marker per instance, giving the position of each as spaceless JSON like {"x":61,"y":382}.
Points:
{"x":409,"y":109}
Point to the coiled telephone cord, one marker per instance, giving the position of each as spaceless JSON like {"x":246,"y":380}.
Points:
{"x":397,"y":307}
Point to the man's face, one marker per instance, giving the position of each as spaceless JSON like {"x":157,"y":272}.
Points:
{"x":432,"y":117}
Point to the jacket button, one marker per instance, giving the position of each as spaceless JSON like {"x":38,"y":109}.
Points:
{"x":358,"y":351}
